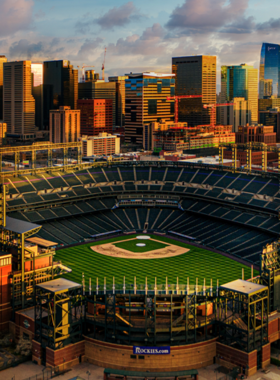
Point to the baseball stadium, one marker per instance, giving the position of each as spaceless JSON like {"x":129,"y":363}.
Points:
{"x":108,"y":260}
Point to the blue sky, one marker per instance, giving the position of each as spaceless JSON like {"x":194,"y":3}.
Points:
{"x":139,"y":35}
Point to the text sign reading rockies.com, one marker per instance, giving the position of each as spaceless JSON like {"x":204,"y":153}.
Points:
{"x":151,"y":350}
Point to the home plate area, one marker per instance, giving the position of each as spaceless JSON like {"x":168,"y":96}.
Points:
{"x":141,"y":247}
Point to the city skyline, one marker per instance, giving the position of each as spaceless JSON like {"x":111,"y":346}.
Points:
{"x":139,"y":36}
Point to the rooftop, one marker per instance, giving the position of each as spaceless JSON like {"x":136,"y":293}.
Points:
{"x":150,"y":74}
{"x":42,"y":242}
{"x":244,"y":287}
{"x":59,"y":285}
{"x":20,"y":226}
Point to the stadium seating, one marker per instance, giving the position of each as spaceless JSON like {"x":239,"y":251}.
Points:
{"x":127,"y":174}
{"x":157,"y":174}
{"x":217,"y":215}
{"x":142,"y":174}
{"x":173,"y":174}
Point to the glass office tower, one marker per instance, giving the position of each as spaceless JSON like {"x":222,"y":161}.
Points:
{"x":3,"y":59}
{"x":195,"y":75}
{"x":269,"y":83}
{"x":60,"y":87}
{"x":241,"y":82}
{"x":146,"y":102}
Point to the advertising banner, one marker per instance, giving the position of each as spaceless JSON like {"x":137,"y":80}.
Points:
{"x":151,"y":350}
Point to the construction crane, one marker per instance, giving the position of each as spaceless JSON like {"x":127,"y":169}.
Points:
{"x":213,"y":110}
{"x":103,"y":65}
{"x":177,"y":99}
{"x":83,"y":71}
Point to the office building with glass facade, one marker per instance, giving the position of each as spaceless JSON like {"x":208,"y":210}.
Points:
{"x":269,"y":84}
{"x":195,"y":75}
{"x":19,"y":104}
{"x":146,"y":102}
{"x":37,"y":92}
{"x":99,"y":89}
{"x":60,"y":87}
{"x":2,"y":60}
{"x":241,"y":82}
{"x":120,"y":99}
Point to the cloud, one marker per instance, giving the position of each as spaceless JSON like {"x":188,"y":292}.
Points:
{"x":15,"y":15}
{"x":119,"y":16}
{"x":23,"y":49}
{"x":240,"y":26}
{"x":115,"y":17}
{"x":88,"y":47}
{"x":151,"y":43}
{"x":271,"y":25}
{"x":205,"y":15}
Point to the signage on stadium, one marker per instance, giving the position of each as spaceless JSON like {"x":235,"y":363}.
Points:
{"x":151,"y":350}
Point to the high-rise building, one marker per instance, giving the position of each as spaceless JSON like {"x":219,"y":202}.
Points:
{"x":267,"y":104}
{"x":60,"y":87}
{"x":269,"y":70}
{"x":3,"y":131}
{"x":146,"y":102}
{"x":237,"y":114}
{"x":120,"y":99}
{"x":3,"y":59}
{"x":64,"y":125}
{"x":37,"y":71}
{"x":37,"y":92}
{"x":19,"y":104}
{"x":195,"y":75}
{"x":99,"y":89}
{"x":96,"y":116}
{"x":241,"y":82}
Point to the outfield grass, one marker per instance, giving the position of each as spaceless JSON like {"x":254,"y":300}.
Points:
{"x":196,"y":263}
{"x":150,"y":245}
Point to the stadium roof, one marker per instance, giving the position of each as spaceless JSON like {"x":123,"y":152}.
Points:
{"x":59,"y":285}
{"x":20,"y":226}
{"x":41,"y":242}
{"x":244,"y":287}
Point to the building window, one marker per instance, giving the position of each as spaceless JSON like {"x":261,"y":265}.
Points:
{"x":172,"y":108}
{"x":159,"y":87}
{"x":152,"y":106}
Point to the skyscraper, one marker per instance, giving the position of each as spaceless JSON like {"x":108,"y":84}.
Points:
{"x":99,"y":89}
{"x":120,"y":99}
{"x":146,"y":102}
{"x":195,"y":75}
{"x":2,"y":60}
{"x":237,"y":114}
{"x":64,"y":125}
{"x":19,"y":104}
{"x":269,"y":70}
{"x":60,"y":86}
{"x":241,"y":82}
{"x":37,"y":92}
{"x":96,"y":116}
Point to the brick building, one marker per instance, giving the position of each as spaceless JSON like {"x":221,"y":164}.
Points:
{"x":256,"y":133}
{"x":96,"y":116}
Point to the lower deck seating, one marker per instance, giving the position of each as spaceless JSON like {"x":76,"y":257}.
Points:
{"x":243,"y":242}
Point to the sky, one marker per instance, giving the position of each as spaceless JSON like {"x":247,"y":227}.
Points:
{"x":140,"y":35}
